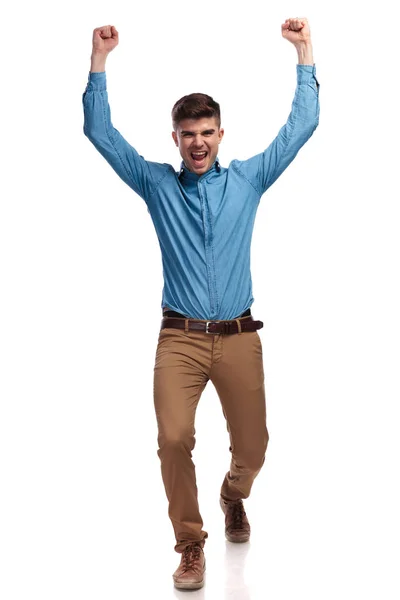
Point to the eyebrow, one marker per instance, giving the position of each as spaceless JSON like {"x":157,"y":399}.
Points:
{"x":184,"y":132}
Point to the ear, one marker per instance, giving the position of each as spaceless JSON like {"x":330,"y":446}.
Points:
{"x":175,"y":138}
{"x":220,"y":135}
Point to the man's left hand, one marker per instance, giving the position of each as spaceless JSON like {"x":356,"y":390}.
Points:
{"x":297,"y":31}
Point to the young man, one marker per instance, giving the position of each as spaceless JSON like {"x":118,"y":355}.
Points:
{"x":204,"y":216}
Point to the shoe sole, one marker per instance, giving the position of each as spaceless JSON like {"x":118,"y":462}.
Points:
{"x":236,"y":541}
{"x":189,"y":586}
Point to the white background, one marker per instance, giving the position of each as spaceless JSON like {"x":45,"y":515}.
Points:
{"x":83,"y":512}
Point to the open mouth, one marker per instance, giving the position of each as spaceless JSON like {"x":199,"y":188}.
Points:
{"x":198,"y":157}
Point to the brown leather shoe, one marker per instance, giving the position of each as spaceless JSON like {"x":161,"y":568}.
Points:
{"x":190,"y":573}
{"x":237,"y":526}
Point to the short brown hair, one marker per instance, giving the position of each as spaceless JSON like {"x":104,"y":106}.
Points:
{"x":195,"y":106}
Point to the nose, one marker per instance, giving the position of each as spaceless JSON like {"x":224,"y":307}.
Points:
{"x":197,"y":141}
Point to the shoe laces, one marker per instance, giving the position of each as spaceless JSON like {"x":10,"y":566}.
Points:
{"x":191,"y":553}
{"x":237,"y":513}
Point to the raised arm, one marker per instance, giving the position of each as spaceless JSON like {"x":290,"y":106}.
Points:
{"x":141,"y":175}
{"x":264,"y":169}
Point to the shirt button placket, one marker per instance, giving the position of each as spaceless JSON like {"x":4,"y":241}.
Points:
{"x":208,"y":247}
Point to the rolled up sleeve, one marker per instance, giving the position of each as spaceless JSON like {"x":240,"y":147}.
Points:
{"x":139,"y":174}
{"x":264,"y":169}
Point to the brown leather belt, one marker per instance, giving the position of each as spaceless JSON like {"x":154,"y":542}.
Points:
{"x":226,"y":327}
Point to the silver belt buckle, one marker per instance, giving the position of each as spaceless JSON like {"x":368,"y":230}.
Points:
{"x":207,"y":324}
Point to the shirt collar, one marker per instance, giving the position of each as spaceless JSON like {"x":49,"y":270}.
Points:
{"x":184,"y":171}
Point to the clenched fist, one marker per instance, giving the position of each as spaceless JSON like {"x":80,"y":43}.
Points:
{"x":296,"y":31}
{"x":105,"y":39}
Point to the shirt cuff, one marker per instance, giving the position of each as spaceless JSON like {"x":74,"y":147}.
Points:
{"x":306,"y":74}
{"x":97,"y":82}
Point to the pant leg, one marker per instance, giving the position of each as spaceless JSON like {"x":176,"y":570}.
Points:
{"x":180,"y":376}
{"x":238,"y":376}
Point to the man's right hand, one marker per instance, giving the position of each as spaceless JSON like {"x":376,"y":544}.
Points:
{"x":105,"y":39}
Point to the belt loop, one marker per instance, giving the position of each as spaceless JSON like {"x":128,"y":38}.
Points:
{"x":239,"y":325}
{"x":186,"y":325}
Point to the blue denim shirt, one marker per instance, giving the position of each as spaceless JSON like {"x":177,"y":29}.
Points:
{"x":204,"y":223}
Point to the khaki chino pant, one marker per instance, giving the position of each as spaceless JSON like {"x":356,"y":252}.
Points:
{"x":184,"y":363}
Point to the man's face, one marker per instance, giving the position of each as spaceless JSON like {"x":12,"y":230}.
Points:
{"x":198,"y":140}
